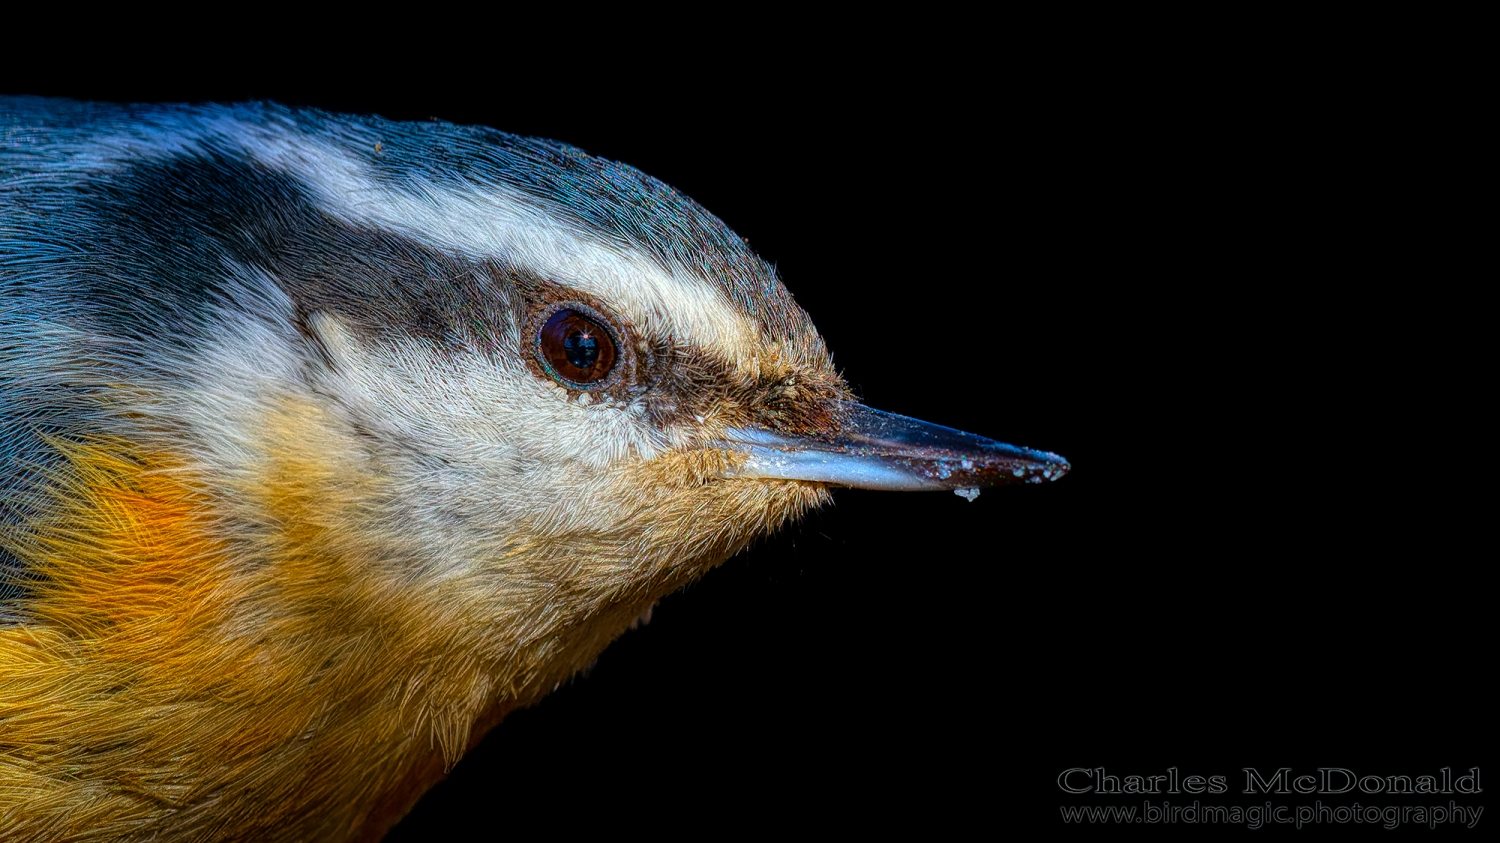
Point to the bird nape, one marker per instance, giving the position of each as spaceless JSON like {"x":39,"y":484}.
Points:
{"x":330,"y":440}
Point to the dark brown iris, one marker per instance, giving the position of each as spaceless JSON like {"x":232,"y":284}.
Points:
{"x":576,"y":349}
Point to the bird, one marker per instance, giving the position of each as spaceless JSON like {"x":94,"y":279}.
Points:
{"x":330,"y":440}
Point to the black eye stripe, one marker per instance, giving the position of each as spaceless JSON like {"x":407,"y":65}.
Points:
{"x":575,"y":349}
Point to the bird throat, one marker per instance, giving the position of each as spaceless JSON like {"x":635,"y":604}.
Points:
{"x":249,"y":657}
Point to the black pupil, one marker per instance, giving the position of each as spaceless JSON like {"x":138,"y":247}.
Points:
{"x":582,"y":348}
{"x":576,"y":349}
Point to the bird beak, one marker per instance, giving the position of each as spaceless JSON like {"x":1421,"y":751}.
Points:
{"x":879,"y":450}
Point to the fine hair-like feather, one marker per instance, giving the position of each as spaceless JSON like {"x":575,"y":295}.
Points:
{"x":291,"y":512}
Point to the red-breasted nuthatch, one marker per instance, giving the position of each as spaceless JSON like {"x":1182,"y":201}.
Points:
{"x":330,"y":440}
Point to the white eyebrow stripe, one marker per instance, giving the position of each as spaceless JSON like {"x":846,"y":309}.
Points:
{"x":496,"y":221}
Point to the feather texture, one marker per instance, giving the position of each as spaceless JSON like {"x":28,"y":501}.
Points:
{"x":290,"y":512}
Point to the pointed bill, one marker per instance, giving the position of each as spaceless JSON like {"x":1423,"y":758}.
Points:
{"x":879,"y":450}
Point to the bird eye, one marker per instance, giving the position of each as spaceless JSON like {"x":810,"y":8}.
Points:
{"x":576,"y":350}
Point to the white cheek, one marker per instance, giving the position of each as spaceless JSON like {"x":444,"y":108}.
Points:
{"x":475,"y":408}
{"x":510,"y":446}
{"x":513,"y":446}
{"x":254,"y":360}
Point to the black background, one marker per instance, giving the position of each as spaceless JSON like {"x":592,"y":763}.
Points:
{"x":1194,"y":277}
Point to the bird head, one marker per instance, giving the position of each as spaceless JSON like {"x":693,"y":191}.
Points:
{"x":443,"y":409}
{"x":578,"y":376}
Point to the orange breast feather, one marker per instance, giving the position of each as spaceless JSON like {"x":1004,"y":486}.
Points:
{"x":182,"y":659}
